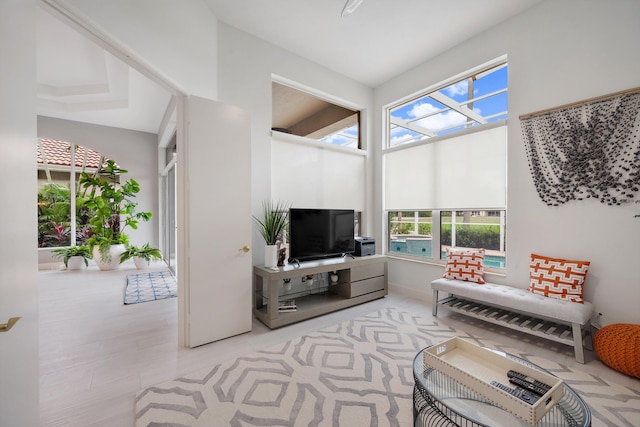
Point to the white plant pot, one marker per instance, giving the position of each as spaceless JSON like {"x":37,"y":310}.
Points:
{"x":75,"y":263}
{"x":141,"y":263}
{"x":271,"y":256}
{"x":114,"y":255}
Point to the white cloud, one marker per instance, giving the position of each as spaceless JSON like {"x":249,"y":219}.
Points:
{"x":421,"y":109}
{"x":400,"y":135}
{"x":443,"y":120}
{"x":460,"y":88}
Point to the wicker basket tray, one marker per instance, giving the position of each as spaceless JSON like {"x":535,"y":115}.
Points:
{"x":475,"y":367}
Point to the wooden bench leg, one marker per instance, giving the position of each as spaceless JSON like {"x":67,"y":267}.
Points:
{"x":434,"y":309}
{"x":577,"y":342}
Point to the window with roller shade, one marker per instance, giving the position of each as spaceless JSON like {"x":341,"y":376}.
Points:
{"x":445,"y":186}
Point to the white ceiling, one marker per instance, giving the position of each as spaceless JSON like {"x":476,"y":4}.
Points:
{"x":79,"y":81}
{"x":380,"y":40}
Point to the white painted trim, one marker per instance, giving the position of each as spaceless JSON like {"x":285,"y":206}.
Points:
{"x":73,"y":17}
{"x":77,"y":20}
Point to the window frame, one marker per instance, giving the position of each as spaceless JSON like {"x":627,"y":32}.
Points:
{"x":356,"y":142}
{"x":490,"y":66}
{"x":436,"y":239}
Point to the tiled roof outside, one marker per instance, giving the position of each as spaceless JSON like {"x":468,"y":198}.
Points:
{"x":59,"y":153}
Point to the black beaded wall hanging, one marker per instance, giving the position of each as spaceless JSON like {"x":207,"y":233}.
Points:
{"x":589,"y":149}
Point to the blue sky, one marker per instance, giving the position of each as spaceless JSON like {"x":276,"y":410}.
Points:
{"x":459,"y":92}
{"x":451,"y":120}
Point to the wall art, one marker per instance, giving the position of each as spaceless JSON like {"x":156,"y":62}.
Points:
{"x":588,"y":149}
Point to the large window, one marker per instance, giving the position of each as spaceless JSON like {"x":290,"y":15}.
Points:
{"x":411,"y":234}
{"x":300,"y":113}
{"x":477,"y":99}
{"x":62,"y":217}
{"x":316,"y":157}
{"x":445,"y":168}
{"x":475,"y":229}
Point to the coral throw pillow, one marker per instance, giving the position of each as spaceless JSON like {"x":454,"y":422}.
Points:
{"x":558,"y":278}
{"x":465,"y":264}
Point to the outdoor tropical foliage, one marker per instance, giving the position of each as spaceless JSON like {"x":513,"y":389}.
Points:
{"x":54,"y":216}
{"x":480,"y":236}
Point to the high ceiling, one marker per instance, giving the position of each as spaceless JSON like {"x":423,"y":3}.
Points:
{"x":380,"y":40}
{"x":79,"y":81}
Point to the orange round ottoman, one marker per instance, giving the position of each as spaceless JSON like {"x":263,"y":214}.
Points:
{"x":618,"y":346}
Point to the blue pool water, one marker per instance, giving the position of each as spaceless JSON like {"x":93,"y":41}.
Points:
{"x":422,"y":248}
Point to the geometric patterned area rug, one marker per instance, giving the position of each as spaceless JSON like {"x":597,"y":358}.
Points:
{"x":151,"y":286}
{"x":358,"y":373}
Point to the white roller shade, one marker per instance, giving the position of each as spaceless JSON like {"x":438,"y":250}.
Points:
{"x":315,"y":175}
{"x":463,"y":172}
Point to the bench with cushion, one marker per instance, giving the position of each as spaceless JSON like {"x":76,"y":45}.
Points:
{"x":557,"y":312}
{"x":555,"y":319}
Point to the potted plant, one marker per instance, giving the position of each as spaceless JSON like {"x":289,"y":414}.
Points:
{"x":272,"y":226}
{"x":112,"y":208}
{"x":73,"y":256}
{"x":142,"y":255}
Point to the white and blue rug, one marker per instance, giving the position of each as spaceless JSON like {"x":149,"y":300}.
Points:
{"x":150,"y":286}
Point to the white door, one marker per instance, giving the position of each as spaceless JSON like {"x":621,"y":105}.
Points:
{"x":214,"y":221}
{"x":19,"y":404}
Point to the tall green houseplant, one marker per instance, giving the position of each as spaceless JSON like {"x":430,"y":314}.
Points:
{"x":274,"y":221}
{"x":112,"y":206}
{"x":272,"y":225}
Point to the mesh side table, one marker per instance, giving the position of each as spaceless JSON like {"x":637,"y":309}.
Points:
{"x":438,"y":400}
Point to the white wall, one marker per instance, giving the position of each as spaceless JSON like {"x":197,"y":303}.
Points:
{"x":19,"y":402}
{"x":134,"y":151}
{"x":245,"y":68}
{"x":558,"y":52}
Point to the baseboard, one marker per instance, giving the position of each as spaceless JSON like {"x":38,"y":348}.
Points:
{"x":50,"y":266}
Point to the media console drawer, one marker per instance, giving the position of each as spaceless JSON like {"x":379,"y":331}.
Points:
{"x":367,"y":271}
{"x":361,"y":287}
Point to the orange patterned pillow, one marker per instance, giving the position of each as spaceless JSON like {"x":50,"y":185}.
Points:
{"x":558,"y":278}
{"x":465,"y":264}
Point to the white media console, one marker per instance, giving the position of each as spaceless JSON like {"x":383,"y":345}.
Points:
{"x":309,"y":287}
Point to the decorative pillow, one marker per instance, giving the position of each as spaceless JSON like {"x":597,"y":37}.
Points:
{"x":558,"y":278}
{"x":465,"y":264}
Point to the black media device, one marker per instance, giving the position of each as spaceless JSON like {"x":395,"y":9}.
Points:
{"x":530,"y":398}
{"x":528,"y":383}
{"x":365,"y":246}
{"x":320,"y":233}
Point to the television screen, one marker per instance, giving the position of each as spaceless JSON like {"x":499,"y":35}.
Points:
{"x":320,"y":233}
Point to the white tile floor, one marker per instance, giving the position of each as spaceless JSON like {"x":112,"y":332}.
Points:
{"x":96,"y":353}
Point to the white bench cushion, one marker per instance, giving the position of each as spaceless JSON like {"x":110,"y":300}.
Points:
{"x":520,"y":300}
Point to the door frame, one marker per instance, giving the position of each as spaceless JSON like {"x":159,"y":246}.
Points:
{"x":68,"y":15}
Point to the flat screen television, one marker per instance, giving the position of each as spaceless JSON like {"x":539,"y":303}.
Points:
{"x":320,"y":233}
